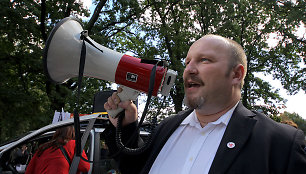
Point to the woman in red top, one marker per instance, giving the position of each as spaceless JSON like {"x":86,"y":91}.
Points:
{"x":49,"y":159}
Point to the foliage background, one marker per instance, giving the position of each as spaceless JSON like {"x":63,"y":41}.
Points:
{"x":150,"y":29}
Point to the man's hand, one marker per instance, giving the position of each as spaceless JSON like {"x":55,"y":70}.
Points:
{"x":130,"y":108}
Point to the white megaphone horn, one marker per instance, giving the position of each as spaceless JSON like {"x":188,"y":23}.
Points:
{"x":62,"y":59}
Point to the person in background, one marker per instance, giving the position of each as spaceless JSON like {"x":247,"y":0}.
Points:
{"x":20,"y":158}
{"x":22,"y":155}
{"x":49,"y":159}
{"x":290,"y":122}
{"x":217,"y":134}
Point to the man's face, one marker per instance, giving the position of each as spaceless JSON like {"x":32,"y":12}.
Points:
{"x":207,"y":78}
{"x":24,"y":147}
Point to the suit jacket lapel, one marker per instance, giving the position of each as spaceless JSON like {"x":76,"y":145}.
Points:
{"x":238,"y":131}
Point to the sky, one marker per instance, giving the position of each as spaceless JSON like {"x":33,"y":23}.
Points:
{"x":295,"y":103}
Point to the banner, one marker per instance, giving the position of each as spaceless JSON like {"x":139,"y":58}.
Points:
{"x":60,"y":116}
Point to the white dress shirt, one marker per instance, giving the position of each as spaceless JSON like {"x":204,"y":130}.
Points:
{"x":191,"y":148}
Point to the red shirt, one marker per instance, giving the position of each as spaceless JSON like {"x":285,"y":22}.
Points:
{"x":50,"y":161}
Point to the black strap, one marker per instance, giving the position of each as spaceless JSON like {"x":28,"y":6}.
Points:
{"x":65,"y":154}
{"x":84,"y":38}
{"x":76,"y":110}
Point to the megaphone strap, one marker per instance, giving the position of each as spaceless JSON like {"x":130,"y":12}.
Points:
{"x":76,"y":111}
{"x":84,"y":35}
{"x":84,"y":38}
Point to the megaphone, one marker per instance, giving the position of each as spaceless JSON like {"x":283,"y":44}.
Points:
{"x":62,"y":59}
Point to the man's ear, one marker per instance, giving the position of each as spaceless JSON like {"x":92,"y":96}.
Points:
{"x":238,"y":73}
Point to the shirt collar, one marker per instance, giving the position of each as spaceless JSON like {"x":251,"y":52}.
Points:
{"x":192,"y":119}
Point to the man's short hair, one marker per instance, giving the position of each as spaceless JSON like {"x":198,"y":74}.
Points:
{"x":237,"y":54}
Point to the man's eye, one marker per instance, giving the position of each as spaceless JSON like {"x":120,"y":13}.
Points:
{"x":204,"y":60}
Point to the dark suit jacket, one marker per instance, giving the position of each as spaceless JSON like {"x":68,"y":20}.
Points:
{"x":262,"y":146}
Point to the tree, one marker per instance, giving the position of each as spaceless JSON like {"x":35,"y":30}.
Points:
{"x":28,"y":99}
{"x":150,"y":29}
{"x":174,"y":25}
{"x":22,"y":100}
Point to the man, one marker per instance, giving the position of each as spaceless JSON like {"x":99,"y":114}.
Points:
{"x":217,"y":134}
{"x":21,"y":158}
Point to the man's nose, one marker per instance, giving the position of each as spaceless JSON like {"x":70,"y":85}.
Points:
{"x":191,"y":68}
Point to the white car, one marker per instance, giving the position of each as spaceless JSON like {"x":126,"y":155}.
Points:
{"x":92,"y":127}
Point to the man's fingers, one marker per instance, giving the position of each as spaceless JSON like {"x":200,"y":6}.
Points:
{"x":106,"y":106}
{"x":115,"y":98}
{"x":111,"y":103}
{"x":119,"y":89}
{"x":125,"y":104}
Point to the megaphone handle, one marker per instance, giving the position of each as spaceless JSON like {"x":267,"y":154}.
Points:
{"x":126,"y":94}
